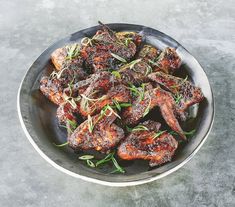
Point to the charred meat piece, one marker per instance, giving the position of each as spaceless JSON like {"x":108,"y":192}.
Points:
{"x":168,"y":61}
{"x":90,"y":106}
{"x":148,"y":144}
{"x":105,"y":51}
{"x":52,"y":89}
{"x":53,"y":86}
{"x":186,"y":93}
{"x":152,"y":98}
{"x":135,"y":72}
{"x":68,"y":56}
{"x":149,"y":53}
{"x":97,"y":133}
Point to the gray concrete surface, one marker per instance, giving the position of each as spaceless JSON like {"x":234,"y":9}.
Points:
{"x":206,"y":28}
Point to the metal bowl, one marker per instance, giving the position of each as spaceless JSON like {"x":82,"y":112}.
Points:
{"x":37,"y":116}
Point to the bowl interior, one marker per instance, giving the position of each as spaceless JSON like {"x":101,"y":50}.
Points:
{"x":37,"y":115}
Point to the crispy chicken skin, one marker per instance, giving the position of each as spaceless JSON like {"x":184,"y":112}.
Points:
{"x":53,"y":86}
{"x":52,"y":89}
{"x":189,"y":93}
{"x":60,"y":58}
{"x":135,"y":72}
{"x":104,"y":136}
{"x":152,"y":98}
{"x":145,"y":144}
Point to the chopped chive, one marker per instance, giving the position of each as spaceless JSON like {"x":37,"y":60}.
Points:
{"x":61,"y":145}
{"x":129,"y":129}
{"x":190,"y":133}
{"x":178,"y":98}
{"x":116,"y":74}
{"x":90,"y":163}
{"x":90,"y":124}
{"x":117,"y":105}
{"x":140,"y":128}
{"x":72,"y":51}
{"x":119,"y":168}
{"x":158,"y":134}
{"x":118,"y":58}
{"x":149,"y":70}
{"x":123,"y":105}
{"x":86,"y":157}
{"x":148,"y":107}
{"x":106,"y":159}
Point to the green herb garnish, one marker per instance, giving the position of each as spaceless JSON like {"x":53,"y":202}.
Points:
{"x":140,"y":128}
{"x":72,"y":51}
{"x":61,"y":145}
{"x":86,"y":157}
{"x":107,"y":159}
{"x":118,"y":167}
{"x":158,"y":134}
{"x":148,"y":107}
{"x":104,"y":160}
{"x":138,"y":91}
{"x":119,"y":106}
{"x":90,"y":163}
{"x":127,"y":41}
{"x":118,"y":58}
{"x":190,"y":133}
{"x":149,"y":70}
{"x":90,"y":123}
{"x":86,"y":41}
{"x":124,"y":105}
{"x":154,"y":63}
{"x":178,"y":98}
{"x":116,"y":74}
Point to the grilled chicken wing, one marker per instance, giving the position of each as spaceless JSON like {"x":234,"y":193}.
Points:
{"x":187,"y":93}
{"x":98,"y":133}
{"x":152,"y":98}
{"x":147,"y":144}
{"x":67,"y":56}
{"x":105,"y":51}
{"x":52,"y":87}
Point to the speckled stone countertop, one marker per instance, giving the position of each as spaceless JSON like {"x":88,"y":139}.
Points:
{"x":206,"y":28}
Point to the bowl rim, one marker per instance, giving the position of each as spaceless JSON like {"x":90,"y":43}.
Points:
{"x":96,"y":180}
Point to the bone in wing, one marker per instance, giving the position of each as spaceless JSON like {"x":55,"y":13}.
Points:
{"x":188,"y":93}
{"x":148,"y":145}
{"x":152,"y":98}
